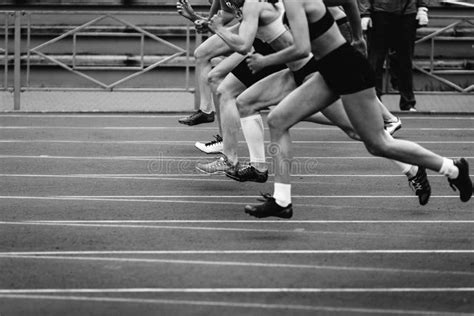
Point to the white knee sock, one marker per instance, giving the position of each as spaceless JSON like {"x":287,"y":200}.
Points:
{"x":449,"y":169}
{"x":282,"y":194}
{"x":252,"y":127}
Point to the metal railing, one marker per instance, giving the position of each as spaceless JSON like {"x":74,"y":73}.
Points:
{"x":22,"y":57}
{"x":4,"y":49}
{"x":14,"y":25}
{"x":431,"y":72}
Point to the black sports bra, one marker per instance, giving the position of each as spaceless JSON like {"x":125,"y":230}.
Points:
{"x":318,"y":28}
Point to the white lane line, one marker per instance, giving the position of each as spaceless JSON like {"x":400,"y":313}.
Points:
{"x":98,"y":115}
{"x":164,"y":197}
{"x":179,"y":200}
{"x":180,"y":158}
{"x":187,"y":142}
{"x":146,"y":116}
{"x":244,"y":264}
{"x":202,"y":177}
{"x":286,"y":307}
{"x":141,"y":200}
{"x":225,"y":229}
{"x":171,"y":221}
{"x":113,"y":177}
{"x":244,"y":290}
{"x":193,"y":130}
{"x":249,"y":252}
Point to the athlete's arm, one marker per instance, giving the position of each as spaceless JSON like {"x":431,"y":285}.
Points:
{"x":351,"y":8}
{"x":301,"y":46}
{"x":242,"y":41}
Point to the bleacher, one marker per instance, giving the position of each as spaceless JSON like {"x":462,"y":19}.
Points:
{"x":112,"y":48}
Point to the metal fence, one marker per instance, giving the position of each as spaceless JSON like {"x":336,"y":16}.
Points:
{"x":17,"y":58}
{"x":432,"y":38}
{"x":18,"y":23}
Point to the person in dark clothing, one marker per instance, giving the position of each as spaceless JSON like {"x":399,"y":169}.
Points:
{"x":391,"y":25}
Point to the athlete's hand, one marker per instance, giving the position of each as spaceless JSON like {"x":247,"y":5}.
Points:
{"x":216,"y":21}
{"x":366,"y":23}
{"x":201,"y":26}
{"x":360,"y":45}
{"x":255,"y":62}
{"x":185,"y":9}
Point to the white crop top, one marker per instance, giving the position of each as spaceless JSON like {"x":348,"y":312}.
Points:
{"x":270,"y":32}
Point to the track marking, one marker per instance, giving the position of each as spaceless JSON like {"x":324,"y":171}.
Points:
{"x":43,"y":115}
{"x":164,"y":197}
{"x":243,"y":264}
{"x":244,"y":290}
{"x":187,"y":142}
{"x":193,"y":130}
{"x":168,"y":199}
{"x":261,"y":221}
{"x":250,"y":252}
{"x":285,"y":307}
{"x":214,"y":229}
{"x":202,"y":176}
{"x":180,"y":158}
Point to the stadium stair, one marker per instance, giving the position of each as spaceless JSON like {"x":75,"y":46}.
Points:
{"x":114,"y":45}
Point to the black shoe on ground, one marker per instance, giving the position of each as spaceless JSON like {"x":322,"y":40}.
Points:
{"x":269,"y":208}
{"x":463,"y":182}
{"x":198,"y":117}
{"x":420,"y":184}
{"x":247,"y":173}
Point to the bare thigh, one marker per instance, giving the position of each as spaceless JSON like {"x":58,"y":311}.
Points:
{"x":311,"y":97}
{"x":213,"y":46}
{"x":268,"y":91}
{"x":364,"y":113}
{"x":230,"y":87}
{"x":225,"y":66}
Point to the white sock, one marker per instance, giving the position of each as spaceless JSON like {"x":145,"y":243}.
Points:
{"x":208,"y":111}
{"x":252,"y":127}
{"x":282,"y":194}
{"x":449,"y":169}
{"x":408,"y":170}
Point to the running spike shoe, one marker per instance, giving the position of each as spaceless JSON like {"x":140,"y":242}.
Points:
{"x":197,"y":117}
{"x":247,"y":173}
{"x":215,"y":146}
{"x":420,"y":184}
{"x":218,"y":166}
{"x":392,"y":127}
{"x":269,"y":208}
{"x":463,"y":182}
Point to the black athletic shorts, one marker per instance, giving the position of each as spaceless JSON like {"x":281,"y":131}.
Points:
{"x":301,"y":74}
{"x":346,"y":70}
{"x":245,"y":75}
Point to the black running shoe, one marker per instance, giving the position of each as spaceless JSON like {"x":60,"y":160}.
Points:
{"x":463,"y":183}
{"x":420,"y":184}
{"x":197,"y":117}
{"x":247,"y":173}
{"x":269,"y":208}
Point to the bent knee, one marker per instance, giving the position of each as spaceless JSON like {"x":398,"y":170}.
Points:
{"x":377,"y":147}
{"x":202,"y":53}
{"x":214,"y":77}
{"x":276,"y":121}
{"x":244,"y":107}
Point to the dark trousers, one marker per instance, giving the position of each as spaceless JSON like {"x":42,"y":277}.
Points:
{"x":397,"y":33}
